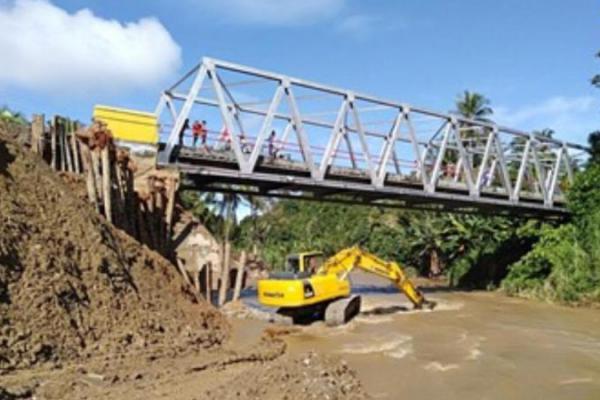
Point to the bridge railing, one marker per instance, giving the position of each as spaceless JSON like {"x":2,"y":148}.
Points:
{"x":257,"y":115}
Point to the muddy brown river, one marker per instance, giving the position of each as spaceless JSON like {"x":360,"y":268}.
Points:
{"x":474,"y":345}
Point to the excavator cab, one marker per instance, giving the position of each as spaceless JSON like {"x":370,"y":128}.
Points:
{"x":299,"y":266}
{"x":304,"y":262}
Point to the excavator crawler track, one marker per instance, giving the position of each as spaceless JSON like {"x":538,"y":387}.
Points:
{"x":341,"y":311}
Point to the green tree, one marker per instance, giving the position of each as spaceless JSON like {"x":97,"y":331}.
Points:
{"x":594,"y":143}
{"x":474,"y":106}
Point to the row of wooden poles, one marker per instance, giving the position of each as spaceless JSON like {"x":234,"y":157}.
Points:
{"x":109,"y":174}
{"x":229,"y":282}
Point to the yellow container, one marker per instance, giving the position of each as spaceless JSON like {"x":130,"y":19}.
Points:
{"x":129,"y":125}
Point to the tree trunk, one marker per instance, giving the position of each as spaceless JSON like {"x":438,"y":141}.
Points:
{"x":435,"y":268}
{"x":239,"y":277}
{"x":225,"y":261}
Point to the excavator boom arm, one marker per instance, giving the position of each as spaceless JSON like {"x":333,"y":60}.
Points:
{"x":346,"y":260}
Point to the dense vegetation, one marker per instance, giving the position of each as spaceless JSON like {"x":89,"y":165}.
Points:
{"x":564,"y":265}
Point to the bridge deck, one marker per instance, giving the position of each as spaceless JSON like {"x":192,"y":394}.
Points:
{"x":211,"y":170}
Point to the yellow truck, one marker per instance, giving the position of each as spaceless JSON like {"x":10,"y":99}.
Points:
{"x":310,"y":287}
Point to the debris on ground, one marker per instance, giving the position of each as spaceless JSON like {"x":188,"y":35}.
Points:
{"x":310,"y":376}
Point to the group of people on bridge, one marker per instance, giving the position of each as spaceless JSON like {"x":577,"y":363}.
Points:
{"x":200,"y":134}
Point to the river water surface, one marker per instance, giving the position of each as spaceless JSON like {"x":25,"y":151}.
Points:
{"x":474,"y":345}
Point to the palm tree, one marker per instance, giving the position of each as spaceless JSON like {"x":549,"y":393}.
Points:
{"x":474,"y":106}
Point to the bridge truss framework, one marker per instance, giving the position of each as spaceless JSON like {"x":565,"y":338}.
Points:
{"x":409,"y":157}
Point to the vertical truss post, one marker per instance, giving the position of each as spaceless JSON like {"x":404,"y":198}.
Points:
{"x":440,"y":158}
{"x":162,"y":102}
{"x":458,"y":170}
{"x":172,"y":109}
{"x":473,"y":191}
{"x":484,"y":161}
{"x":334,"y":140}
{"x":555,"y":175}
{"x":183,"y":114}
{"x":541,"y":176}
{"x":387,"y":150}
{"x":361,"y":136}
{"x":417,"y":151}
{"x":299,"y":128}
{"x":264,"y":130}
{"x":500,"y":159}
{"x":521,"y":174}
{"x":226,"y":114}
{"x":493,"y":169}
{"x":350,"y":149}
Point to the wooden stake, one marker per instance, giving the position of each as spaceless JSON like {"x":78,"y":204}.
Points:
{"x":183,"y":271}
{"x":76,"y":166}
{"x":97,"y":175}
{"x":171,"y":194}
{"x":132,"y":206}
{"x":90,"y":179}
{"x":37,"y":133}
{"x":53,"y":133}
{"x":239,"y":277}
{"x":141,"y":211}
{"x":62,"y":144}
{"x":123,"y":218}
{"x":208,"y":281}
{"x":106,"y":184}
{"x":67,"y":144}
{"x":150,"y":221}
{"x":160,"y":221}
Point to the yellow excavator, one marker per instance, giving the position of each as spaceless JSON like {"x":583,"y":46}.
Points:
{"x":310,"y":288}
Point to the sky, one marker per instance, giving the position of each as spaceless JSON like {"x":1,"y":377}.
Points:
{"x":533,"y":59}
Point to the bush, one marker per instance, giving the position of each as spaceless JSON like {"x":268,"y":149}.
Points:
{"x":564,"y":266}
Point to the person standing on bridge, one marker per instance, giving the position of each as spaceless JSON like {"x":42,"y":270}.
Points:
{"x":186,"y":126}
{"x":199,"y":131}
{"x":225,"y":139}
{"x":272,"y":149}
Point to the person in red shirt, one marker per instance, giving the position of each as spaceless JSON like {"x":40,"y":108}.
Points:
{"x":199,"y":132}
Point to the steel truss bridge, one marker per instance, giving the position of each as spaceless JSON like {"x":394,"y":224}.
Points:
{"x":274,"y":135}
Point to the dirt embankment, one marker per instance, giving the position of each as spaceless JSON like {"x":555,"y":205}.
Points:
{"x":88,"y":312}
{"x":72,"y":287}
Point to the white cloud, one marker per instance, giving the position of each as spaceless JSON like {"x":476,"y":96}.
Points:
{"x":571,"y":117}
{"x":43,"y":47}
{"x":357,"y":26}
{"x":362,"y":26}
{"x":274,"y":12}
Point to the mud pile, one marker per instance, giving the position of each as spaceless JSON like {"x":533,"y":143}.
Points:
{"x":301,"y":378}
{"x":72,"y":287}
